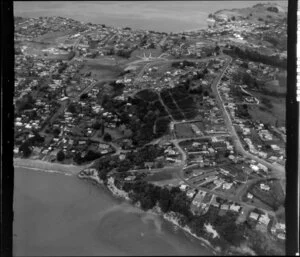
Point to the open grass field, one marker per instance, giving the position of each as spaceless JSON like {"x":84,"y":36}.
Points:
{"x":100,"y":71}
{"x":159,"y":176}
{"x":174,"y":182}
{"x":274,"y":198}
{"x":166,"y":173}
{"x":108,"y":60}
{"x":276,"y":86}
{"x":184,"y":130}
{"x":266,"y":114}
{"x":55,"y":37}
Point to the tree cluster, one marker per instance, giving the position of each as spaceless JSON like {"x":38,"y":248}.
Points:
{"x":183,"y":64}
{"x":27,"y":102}
{"x":88,"y":157}
{"x":256,"y":57}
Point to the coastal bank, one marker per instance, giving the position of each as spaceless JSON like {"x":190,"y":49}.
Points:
{"x":91,"y":175}
{"x":57,"y":215}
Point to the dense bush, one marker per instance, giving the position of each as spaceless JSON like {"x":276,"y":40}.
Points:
{"x":60,"y":156}
{"x":256,"y":57}
{"x":25,"y":149}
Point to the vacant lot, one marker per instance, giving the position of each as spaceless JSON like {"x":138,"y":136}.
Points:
{"x":100,"y":71}
{"x":269,"y":114}
{"x":54,"y":37}
{"x":164,"y":174}
{"x":184,"y":130}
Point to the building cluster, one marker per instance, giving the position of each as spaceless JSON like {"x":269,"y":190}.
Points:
{"x":265,"y":141}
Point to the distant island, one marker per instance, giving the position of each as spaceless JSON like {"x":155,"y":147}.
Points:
{"x":188,"y":125}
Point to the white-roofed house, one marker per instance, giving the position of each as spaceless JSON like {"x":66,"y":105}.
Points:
{"x":254,"y":215}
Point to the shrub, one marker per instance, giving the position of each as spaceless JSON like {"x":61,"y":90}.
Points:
{"x":107,"y":137}
{"x":60,"y":156}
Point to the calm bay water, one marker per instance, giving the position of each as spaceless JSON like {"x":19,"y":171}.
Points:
{"x":56,"y":214}
{"x":165,"y":16}
{"x":62,"y":215}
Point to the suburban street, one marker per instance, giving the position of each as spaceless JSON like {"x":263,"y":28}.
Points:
{"x":276,"y":172}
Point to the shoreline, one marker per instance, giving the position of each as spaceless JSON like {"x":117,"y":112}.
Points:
{"x":170,"y":217}
{"x":47,"y":166}
{"x":71,"y":170}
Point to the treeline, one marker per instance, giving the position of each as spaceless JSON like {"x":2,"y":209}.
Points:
{"x":26,"y":147}
{"x":174,"y":200}
{"x":256,"y":57}
{"x":25,"y":103}
{"x":88,"y":157}
{"x":133,"y":160}
{"x":254,"y":84}
{"x":183,"y":64}
{"x":179,"y":97}
{"x":144,"y":112}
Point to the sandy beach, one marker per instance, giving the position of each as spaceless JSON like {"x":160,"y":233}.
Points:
{"x":48,"y":166}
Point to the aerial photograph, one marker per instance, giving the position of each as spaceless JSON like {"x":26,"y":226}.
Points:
{"x":147,"y":128}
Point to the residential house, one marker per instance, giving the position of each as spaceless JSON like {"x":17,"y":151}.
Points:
{"x":254,"y":215}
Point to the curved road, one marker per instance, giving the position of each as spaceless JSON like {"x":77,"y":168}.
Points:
{"x":275,"y":169}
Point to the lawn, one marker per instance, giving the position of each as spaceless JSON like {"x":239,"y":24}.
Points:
{"x":184,"y":130}
{"x":269,"y":115}
{"x":101,"y":71}
{"x":53,"y":37}
{"x":158,"y":176}
{"x":274,"y":198}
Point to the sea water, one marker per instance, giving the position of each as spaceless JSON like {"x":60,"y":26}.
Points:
{"x":56,"y":214}
{"x":163,"y":16}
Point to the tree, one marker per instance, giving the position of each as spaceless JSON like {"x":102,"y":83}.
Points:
{"x":25,"y":149}
{"x":72,"y":108}
{"x":96,"y":125}
{"x":165,"y":200}
{"x":77,"y":158}
{"x":206,"y":93}
{"x":107,"y":137}
{"x":127,"y":133}
{"x":84,"y":96}
{"x":56,"y":131}
{"x":60,"y":156}
{"x":152,"y":45}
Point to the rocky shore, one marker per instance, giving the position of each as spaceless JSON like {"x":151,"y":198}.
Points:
{"x":172,"y":217}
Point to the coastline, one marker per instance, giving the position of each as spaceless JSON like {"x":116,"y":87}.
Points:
{"x":71,"y":170}
{"x":47,"y":166}
{"x":170,"y":217}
